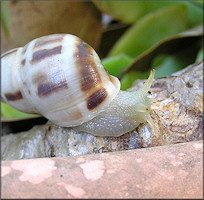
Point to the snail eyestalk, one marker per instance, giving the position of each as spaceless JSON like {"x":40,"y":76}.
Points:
{"x":147,"y":85}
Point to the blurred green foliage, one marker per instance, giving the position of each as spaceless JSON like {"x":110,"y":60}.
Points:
{"x":115,"y":64}
{"x":9,"y":113}
{"x":150,"y":30}
{"x":152,"y":22}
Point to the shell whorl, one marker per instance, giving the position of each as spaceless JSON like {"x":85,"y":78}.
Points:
{"x":60,"y":77}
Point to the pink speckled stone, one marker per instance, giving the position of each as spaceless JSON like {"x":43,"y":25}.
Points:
{"x":174,"y":171}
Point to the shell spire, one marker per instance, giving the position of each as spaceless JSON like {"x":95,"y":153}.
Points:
{"x":58,"y":76}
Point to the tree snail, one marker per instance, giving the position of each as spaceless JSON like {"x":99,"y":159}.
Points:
{"x":61,"y":77}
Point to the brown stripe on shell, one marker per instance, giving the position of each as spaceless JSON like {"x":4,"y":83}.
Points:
{"x":45,"y":53}
{"x":49,"y":83}
{"x":89,"y":77}
{"x":48,"y":41}
{"x":48,"y":88}
{"x":14,"y":96}
{"x":96,"y":98}
{"x":23,"y":62}
{"x":39,"y":78}
{"x":84,"y":49}
{"x":84,"y":57}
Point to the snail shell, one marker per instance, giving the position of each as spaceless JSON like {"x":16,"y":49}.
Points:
{"x":58,"y":76}
{"x":61,"y":77}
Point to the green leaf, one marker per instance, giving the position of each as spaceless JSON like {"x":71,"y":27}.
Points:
{"x":195,"y":12}
{"x":165,"y":65}
{"x":197,"y":3}
{"x":116,"y":64}
{"x":11,"y":114}
{"x":130,"y":11}
{"x":128,"y":78}
{"x":189,"y":40}
{"x":199,"y":55}
{"x":151,"y":29}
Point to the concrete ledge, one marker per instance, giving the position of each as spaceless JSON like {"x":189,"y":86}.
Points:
{"x":174,"y":171}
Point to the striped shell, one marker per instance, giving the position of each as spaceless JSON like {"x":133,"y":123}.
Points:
{"x":58,"y":76}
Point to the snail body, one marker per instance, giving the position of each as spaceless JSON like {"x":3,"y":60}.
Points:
{"x":61,"y":77}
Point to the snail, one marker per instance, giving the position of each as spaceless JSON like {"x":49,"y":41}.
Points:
{"x":62,"y":78}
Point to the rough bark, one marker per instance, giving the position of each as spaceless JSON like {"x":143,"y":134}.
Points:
{"x":177,"y":115}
